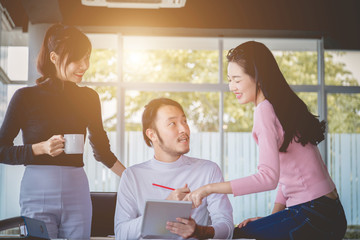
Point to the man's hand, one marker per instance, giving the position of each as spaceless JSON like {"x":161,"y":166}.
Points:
{"x":179,"y":194}
{"x":185,"y":228}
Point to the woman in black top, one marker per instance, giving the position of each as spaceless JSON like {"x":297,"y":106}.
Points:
{"x":54,"y":187}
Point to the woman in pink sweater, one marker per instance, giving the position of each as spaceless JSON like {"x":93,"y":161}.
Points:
{"x":307,"y":205}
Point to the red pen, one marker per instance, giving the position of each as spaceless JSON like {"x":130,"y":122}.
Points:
{"x":157,"y":185}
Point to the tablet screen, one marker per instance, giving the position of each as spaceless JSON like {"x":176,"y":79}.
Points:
{"x":158,"y":212}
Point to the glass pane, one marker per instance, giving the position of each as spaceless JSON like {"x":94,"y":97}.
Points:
{"x":7,"y":91}
{"x":342,"y":68}
{"x":298,"y":67}
{"x":109,"y":109}
{"x":195,"y":66}
{"x":100,"y":177}
{"x":202,"y":111}
{"x":103,"y":66}
{"x":3,"y":100}
{"x":162,"y":60}
{"x":343,"y":144}
{"x":4,"y":57}
{"x":343,"y":113}
{"x":310,"y":99}
{"x":297,"y":59}
{"x":17,"y":66}
{"x":237,"y":117}
{"x":14,"y":53}
{"x":10,"y":175}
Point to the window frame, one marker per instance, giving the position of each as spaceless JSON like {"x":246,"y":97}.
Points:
{"x":321,"y":89}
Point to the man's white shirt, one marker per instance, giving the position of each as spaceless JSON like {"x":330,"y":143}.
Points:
{"x":136,"y":187}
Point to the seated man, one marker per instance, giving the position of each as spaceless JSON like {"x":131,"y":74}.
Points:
{"x":165,"y":129}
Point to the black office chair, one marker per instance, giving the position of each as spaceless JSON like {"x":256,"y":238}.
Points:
{"x":103,"y":205}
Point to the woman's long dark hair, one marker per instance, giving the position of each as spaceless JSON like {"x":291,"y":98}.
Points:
{"x":298,"y":123}
{"x":68,"y":42}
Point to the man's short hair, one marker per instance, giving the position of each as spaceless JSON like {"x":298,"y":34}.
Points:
{"x":150,"y":112}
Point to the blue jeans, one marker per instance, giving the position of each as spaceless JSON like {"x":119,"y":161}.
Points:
{"x":321,"y":218}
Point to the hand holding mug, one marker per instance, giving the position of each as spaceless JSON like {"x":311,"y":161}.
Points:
{"x":54,"y":146}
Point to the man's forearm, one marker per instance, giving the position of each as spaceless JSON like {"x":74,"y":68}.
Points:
{"x":204,"y":232}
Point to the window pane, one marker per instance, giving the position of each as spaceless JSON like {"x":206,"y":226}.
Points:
{"x":298,"y":67}
{"x":343,"y":153}
{"x":342,"y":68}
{"x":17,"y":66}
{"x":237,"y":117}
{"x":297,"y":59}
{"x":103,"y":60}
{"x":14,"y":53}
{"x":310,"y":99}
{"x":109,"y":108}
{"x":202,"y":111}
{"x":10,"y":175}
{"x":103,"y":66}
{"x":3,"y":100}
{"x":343,"y":113}
{"x":162,"y":60}
{"x":100,"y":177}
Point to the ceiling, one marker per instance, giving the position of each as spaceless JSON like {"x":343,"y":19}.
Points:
{"x":337,"y":21}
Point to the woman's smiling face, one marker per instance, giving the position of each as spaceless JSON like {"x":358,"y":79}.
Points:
{"x":74,"y":71}
{"x":241,"y":84}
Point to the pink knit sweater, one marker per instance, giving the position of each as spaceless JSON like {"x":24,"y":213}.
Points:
{"x":299,"y":173}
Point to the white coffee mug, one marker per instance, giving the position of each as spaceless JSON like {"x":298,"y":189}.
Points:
{"x":74,"y":143}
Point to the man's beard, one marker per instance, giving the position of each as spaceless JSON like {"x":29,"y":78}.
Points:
{"x":172,"y":152}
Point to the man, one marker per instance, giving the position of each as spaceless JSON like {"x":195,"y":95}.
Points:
{"x":166,"y":130}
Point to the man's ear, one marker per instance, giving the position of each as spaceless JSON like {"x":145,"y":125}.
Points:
{"x":53,"y":57}
{"x":151,"y":134}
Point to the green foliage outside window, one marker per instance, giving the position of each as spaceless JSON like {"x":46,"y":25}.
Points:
{"x":171,"y":66}
{"x":202,"y":108}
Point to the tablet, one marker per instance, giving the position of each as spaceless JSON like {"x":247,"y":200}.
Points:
{"x":158,"y":212}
